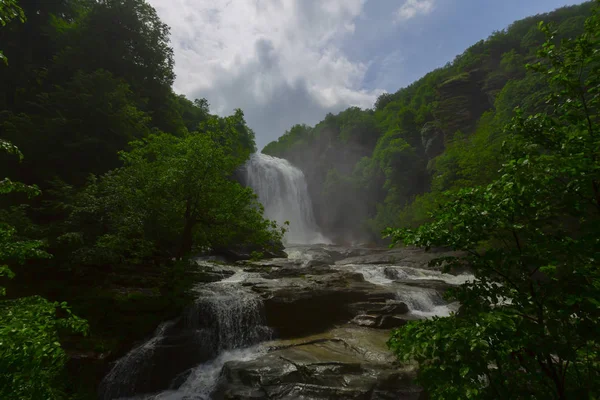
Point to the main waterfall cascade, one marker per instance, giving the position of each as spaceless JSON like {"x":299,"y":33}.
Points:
{"x":282,"y":190}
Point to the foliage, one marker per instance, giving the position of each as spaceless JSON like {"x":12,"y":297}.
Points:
{"x":31,"y":357}
{"x":528,"y":325}
{"x":88,"y":120}
{"x":173,"y":195}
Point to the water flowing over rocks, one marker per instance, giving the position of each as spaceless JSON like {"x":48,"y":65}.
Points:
{"x":310,"y":326}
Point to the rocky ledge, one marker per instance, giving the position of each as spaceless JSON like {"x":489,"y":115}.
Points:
{"x":348,"y":362}
{"x":331,"y":310}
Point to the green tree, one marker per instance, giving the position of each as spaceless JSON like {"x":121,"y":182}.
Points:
{"x":528,"y":326}
{"x":86,"y":121}
{"x":31,"y":357}
{"x":173,"y":195}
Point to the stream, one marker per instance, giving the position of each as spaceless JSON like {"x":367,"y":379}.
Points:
{"x":310,"y":326}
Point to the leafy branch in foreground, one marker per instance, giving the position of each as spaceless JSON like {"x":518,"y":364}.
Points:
{"x":31,"y":356}
{"x":528,"y":326}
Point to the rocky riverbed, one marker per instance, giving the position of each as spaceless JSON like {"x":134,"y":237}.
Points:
{"x":313,"y":325}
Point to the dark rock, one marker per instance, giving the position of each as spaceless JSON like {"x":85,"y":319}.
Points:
{"x":301,"y":306}
{"x":432,"y":138}
{"x":392,"y":314}
{"x":293,"y":272}
{"x":391,"y":321}
{"x":241,"y":252}
{"x":153,"y":365}
{"x":405,"y":256}
{"x":207,"y":271}
{"x":384,"y":308}
{"x":380,"y":321}
{"x":346,"y":363}
{"x":435,"y":284}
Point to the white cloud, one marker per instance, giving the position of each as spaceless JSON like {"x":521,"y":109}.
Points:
{"x":259,"y":55}
{"x":412,"y":8}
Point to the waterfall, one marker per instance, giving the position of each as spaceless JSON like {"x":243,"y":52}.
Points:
{"x":227,"y":317}
{"x":224,"y":318}
{"x":282,"y":190}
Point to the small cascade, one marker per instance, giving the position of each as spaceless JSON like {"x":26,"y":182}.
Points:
{"x":224,"y":317}
{"x":282,"y":190}
{"x":425,"y":303}
{"x":422,"y":302}
{"x":123,"y":379}
{"x":203,"y":380}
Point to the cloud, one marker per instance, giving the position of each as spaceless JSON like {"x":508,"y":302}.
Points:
{"x":278,"y":60}
{"x":412,"y":8}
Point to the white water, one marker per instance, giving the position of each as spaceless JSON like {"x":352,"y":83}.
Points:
{"x":227,"y":316}
{"x":203,"y":380}
{"x":122,"y":378}
{"x":282,"y":190}
{"x":422,"y":302}
{"x":386,"y":274}
{"x":228,"y":322}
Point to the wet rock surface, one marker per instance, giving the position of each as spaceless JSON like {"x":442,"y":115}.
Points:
{"x":344,"y":363}
{"x":410,"y":257}
{"x":314,"y":303}
{"x":331,"y":309}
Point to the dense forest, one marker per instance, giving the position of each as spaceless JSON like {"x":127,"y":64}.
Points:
{"x":391,"y":165}
{"x":110,"y":182}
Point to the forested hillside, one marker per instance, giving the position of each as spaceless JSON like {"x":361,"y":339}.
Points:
{"x":111,"y":182}
{"x":390,"y":166}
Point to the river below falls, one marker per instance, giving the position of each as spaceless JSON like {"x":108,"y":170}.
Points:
{"x":310,"y":326}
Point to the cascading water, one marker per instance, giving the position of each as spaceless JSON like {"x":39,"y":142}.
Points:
{"x":421,"y":302}
{"x":282,"y":190}
{"x":227,"y":319}
{"x":125,"y":376}
{"x":224,"y":319}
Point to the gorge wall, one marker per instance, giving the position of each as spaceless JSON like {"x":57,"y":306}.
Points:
{"x":387,"y":166}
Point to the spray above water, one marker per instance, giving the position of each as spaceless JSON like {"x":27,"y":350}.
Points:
{"x":282,"y":190}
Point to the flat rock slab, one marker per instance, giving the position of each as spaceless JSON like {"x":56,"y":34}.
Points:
{"x":344,"y":363}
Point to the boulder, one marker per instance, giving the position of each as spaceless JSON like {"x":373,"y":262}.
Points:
{"x":382,"y":321}
{"x":392,"y":314}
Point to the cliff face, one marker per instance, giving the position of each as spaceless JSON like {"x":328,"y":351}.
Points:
{"x":365,"y":167}
{"x":461,"y":101}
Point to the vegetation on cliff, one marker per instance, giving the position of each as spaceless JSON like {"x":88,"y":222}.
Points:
{"x":392,"y":165}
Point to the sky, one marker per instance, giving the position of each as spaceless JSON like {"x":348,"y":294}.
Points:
{"x":285,"y":62}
